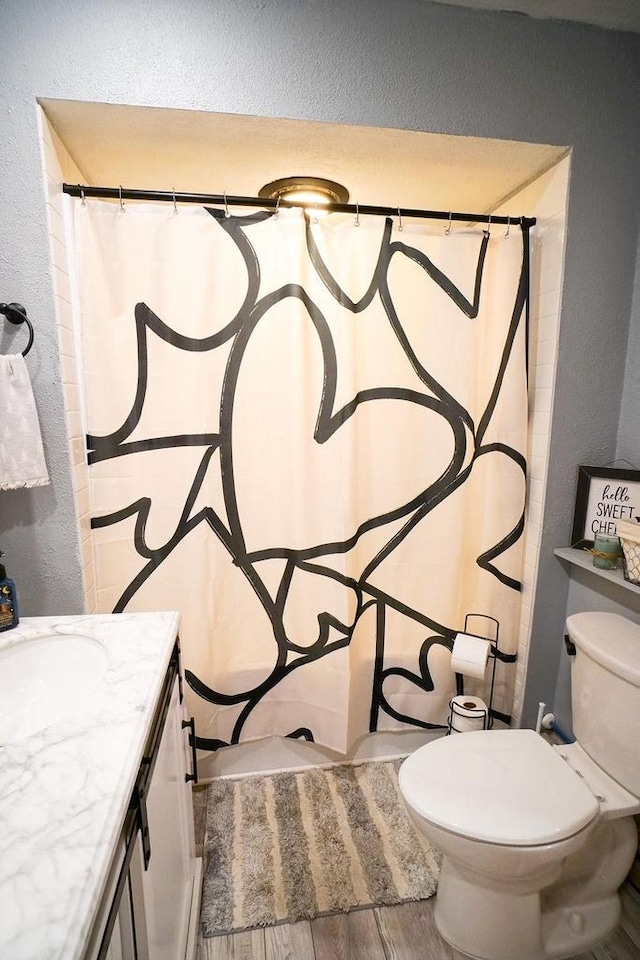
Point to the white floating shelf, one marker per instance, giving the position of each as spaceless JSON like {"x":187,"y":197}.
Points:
{"x":584,"y":559}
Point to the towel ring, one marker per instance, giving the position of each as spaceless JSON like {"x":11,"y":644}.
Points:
{"x":16,"y":313}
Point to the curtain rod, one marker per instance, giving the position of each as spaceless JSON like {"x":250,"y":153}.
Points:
{"x":169,"y":196}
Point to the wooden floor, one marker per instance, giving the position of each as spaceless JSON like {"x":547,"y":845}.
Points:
{"x":405,"y":932}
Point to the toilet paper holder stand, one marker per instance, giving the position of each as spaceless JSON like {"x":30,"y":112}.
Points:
{"x":495,"y":654}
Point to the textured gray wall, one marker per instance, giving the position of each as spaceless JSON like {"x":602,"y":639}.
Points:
{"x":629,"y":427}
{"x":396,"y":63}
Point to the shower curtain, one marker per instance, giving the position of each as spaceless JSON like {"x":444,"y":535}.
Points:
{"x":308,"y":436}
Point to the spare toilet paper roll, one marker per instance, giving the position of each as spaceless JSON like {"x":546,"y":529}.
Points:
{"x":469,"y":655}
{"x":467,"y":713}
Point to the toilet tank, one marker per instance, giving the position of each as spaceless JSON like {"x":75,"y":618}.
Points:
{"x":605,"y":693}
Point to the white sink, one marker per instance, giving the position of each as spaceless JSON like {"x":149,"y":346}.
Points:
{"x":45,"y":679}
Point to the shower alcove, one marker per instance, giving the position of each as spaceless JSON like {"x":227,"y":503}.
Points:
{"x":155,"y":149}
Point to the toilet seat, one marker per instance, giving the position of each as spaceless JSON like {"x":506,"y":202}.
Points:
{"x":506,"y":787}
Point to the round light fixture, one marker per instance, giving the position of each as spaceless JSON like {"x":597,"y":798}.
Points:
{"x":305,"y":190}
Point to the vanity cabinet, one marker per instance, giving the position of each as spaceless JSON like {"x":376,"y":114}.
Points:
{"x":153,"y":902}
{"x":166,"y":887}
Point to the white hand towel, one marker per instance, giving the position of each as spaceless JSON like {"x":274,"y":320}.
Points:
{"x":22,"y":461}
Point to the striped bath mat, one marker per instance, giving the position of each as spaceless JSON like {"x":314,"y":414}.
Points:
{"x":296,"y":845}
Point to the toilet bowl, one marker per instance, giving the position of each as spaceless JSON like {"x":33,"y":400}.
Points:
{"x":511,"y":814}
{"x":536,"y":839}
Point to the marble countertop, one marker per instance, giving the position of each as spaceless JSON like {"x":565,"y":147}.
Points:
{"x":64,"y":791}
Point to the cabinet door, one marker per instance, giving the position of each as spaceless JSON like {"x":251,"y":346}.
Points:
{"x":122,"y":945}
{"x":168,"y":882}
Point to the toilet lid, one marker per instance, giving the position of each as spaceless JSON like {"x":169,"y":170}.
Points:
{"x":502,"y":786}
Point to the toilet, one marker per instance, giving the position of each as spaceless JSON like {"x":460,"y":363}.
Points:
{"x":536,"y":839}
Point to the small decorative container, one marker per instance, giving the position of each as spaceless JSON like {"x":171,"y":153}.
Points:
{"x":629,"y":533}
{"x":606,"y":552}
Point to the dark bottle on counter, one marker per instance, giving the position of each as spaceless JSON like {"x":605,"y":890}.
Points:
{"x":8,"y":601}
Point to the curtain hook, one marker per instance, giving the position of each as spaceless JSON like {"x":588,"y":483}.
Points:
{"x":487,"y":231}
{"x":175,"y":205}
{"x":82,"y":197}
{"x":277,"y":210}
{"x":447,"y":229}
{"x":508,"y":227}
{"x":226,"y":205}
{"x":120,"y":197}
{"x":357,"y":220}
{"x":315,"y":213}
{"x":400,"y":227}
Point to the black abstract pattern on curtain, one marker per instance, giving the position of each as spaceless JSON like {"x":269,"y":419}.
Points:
{"x":470,"y":445}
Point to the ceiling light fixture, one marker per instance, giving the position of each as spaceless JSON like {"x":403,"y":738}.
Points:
{"x":305,"y":190}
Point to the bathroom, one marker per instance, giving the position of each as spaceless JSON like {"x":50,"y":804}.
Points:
{"x":413,"y":67}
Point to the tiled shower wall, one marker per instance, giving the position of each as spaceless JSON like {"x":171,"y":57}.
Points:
{"x":545,"y":199}
{"x":57,"y":168}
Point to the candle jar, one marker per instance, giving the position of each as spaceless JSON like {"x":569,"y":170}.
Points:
{"x":606,"y":552}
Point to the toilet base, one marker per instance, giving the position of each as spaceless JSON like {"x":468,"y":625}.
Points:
{"x":569,"y":930}
{"x":473,"y":920}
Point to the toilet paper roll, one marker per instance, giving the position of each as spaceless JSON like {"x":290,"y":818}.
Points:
{"x":467,"y":713}
{"x":469,"y":655}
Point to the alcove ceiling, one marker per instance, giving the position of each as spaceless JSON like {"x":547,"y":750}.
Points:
{"x":192,"y":151}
